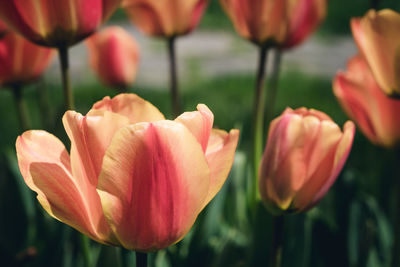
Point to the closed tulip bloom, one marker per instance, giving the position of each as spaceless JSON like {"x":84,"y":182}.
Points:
{"x":21,"y":61}
{"x":377,"y":35}
{"x":377,"y":115}
{"x":132,"y":178}
{"x":56,"y":24}
{"x":114,"y":57}
{"x":283,"y":23}
{"x":304,"y":154}
{"x":166,"y":18}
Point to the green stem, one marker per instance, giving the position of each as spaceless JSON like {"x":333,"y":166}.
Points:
{"x":258,"y":120}
{"x":175,"y":101}
{"x":44,"y":105}
{"x":277,"y":238}
{"x":68,"y":94}
{"x":141,"y":259}
{"x":273,"y":85}
{"x":85,"y":246}
{"x":20,"y":106}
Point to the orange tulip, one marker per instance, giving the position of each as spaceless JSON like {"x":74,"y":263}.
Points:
{"x":114,"y":57}
{"x":377,"y":35}
{"x":283,"y":23}
{"x":21,"y":61}
{"x":132,"y":178}
{"x":56,"y":24}
{"x":166,"y":18}
{"x":377,"y":115}
{"x":305,"y":152}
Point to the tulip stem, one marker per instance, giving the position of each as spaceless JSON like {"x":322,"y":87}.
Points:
{"x":175,"y":101}
{"x":277,"y":238}
{"x":273,"y":85}
{"x":20,"y":106}
{"x":85,"y":246}
{"x":68,"y":94}
{"x":258,"y":119}
{"x":141,"y":259}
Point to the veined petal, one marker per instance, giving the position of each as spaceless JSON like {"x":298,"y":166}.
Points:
{"x":199,"y":123}
{"x":90,"y":136}
{"x":131,"y":106}
{"x":153,"y":184}
{"x":220,"y":155}
{"x":44,"y":164}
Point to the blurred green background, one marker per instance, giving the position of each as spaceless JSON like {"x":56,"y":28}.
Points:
{"x":352,"y":226}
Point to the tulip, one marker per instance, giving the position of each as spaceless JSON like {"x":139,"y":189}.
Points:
{"x":377,"y":115}
{"x":3,"y":29}
{"x":62,"y":24}
{"x":166,"y":18}
{"x":281,"y":23}
{"x":377,"y":35}
{"x":132,"y":178}
{"x":21,"y":61}
{"x":304,"y":154}
{"x":114,"y":57}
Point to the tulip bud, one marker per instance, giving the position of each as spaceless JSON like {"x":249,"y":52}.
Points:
{"x":20,"y":60}
{"x":377,"y":115}
{"x":280,"y":23}
{"x":167,"y":18}
{"x":114,"y":57}
{"x":304,"y":154}
{"x":377,"y":35}
{"x":56,"y":24}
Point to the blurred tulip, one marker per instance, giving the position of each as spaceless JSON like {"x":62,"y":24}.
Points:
{"x":114,"y":57}
{"x":133,"y":178}
{"x":282,"y":23}
{"x":377,"y":35}
{"x":3,"y":29}
{"x":21,"y":61}
{"x":377,"y":115}
{"x":304,"y":154}
{"x":56,"y":24}
{"x":168,"y":18}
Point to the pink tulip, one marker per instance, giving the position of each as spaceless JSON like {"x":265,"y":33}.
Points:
{"x":167,"y":18}
{"x":132,"y":178}
{"x":21,"y":61}
{"x":377,"y":35}
{"x":58,"y":23}
{"x":114,"y":57}
{"x":304,"y":154}
{"x":280,"y":23}
{"x":377,"y":115}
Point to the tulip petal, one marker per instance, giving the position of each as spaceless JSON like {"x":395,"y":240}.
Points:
{"x":88,"y":142}
{"x":378,"y":38}
{"x":220,"y":155}
{"x":132,"y":106}
{"x":326,"y":174}
{"x":199,"y":123}
{"x":153,"y":184}
{"x":305,"y":16}
{"x":44,"y":164}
